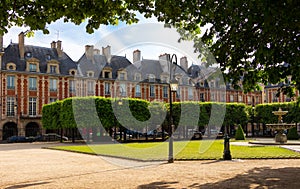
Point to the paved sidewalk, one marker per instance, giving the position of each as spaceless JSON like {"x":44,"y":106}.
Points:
{"x":42,"y":168}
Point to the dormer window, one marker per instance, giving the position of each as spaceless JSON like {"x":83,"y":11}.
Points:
{"x":137,"y":77}
{"x":11,"y":66}
{"x":164,"y":79}
{"x":28,"y":54}
{"x":48,"y":57}
{"x":106,"y":74}
{"x":151,"y":78}
{"x":73,"y":72}
{"x":122,"y":76}
{"x":90,"y":74}
{"x":53,"y":69}
{"x":32,"y":67}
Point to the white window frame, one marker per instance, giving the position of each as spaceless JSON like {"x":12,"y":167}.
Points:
{"x":53,"y":84}
{"x":32,"y":83}
{"x":107,"y":88}
{"x":32,"y":106}
{"x":72,"y":86}
{"x":91,"y":87}
{"x":10,"y":110}
{"x":10,"y":82}
{"x":138,"y":91}
{"x":152,"y":91}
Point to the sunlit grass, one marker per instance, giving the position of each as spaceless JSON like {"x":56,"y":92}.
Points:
{"x":188,"y":150}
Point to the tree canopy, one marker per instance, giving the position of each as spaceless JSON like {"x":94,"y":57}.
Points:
{"x":257,"y":40}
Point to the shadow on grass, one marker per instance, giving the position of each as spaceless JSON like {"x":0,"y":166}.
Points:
{"x":264,"y":177}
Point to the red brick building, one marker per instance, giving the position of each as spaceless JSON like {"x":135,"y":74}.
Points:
{"x":32,"y":76}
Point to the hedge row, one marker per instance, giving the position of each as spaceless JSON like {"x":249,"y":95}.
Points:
{"x":92,"y":112}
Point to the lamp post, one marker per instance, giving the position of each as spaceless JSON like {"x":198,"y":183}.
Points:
{"x":252,"y":120}
{"x":173,"y":87}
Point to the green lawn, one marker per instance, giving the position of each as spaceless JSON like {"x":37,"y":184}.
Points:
{"x":191,"y":150}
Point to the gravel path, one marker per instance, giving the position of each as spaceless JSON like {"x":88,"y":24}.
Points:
{"x":42,"y":168}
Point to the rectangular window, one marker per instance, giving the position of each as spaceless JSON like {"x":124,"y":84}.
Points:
{"x":202,"y":97}
{"x":138,"y":91}
{"x":122,"y":76}
{"x":249,"y":99}
{"x":52,"y":69}
{"x":164,"y":79}
{"x":10,"y":82}
{"x":91,"y":89}
{"x":72,"y":86}
{"x":53,"y":85}
{"x":152,"y":91}
{"x":106,"y":74}
{"x":190,"y":93}
{"x":223,"y":97}
{"x":151,"y":78}
{"x":10,"y":111}
{"x":138,"y":77}
{"x":165,"y":91}
{"x":32,"y":67}
{"x":32,"y":106}
{"x":123,"y":89}
{"x":32,"y":83}
{"x":240,"y":98}
{"x":212,"y":97}
{"x":107,"y":88}
{"x":231,"y":98}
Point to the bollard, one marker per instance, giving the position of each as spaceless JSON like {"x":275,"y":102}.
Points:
{"x":226,"y":154}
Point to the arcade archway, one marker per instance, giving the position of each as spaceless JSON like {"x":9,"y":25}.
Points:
{"x":9,"y":129}
{"x":32,"y":129}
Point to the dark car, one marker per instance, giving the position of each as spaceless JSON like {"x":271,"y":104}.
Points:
{"x":197,"y":135}
{"x":20,"y":139}
{"x":53,"y":137}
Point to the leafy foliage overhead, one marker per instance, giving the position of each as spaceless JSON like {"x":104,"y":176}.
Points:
{"x":257,"y":40}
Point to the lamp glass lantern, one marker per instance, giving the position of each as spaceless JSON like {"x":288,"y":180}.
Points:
{"x":174,"y":85}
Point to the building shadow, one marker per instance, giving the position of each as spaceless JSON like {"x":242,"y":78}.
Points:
{"x":264,"y":177}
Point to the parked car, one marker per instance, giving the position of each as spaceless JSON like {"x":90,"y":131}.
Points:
{"x":51,"y":137}
{"x":20,"y":139}
{"x":197,"y":136}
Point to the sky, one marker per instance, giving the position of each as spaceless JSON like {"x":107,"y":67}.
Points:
{"x":149,"y":36}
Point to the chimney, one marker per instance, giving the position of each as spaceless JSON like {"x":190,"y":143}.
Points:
{"x":163,"y":60}
{"x":53,"y":45}
{"x":89,"y":52}
{"x":59,"y":49}
{"x":136,"y":56}
{"x":21,"y":45}
{"x":184,"y":63}
{"x":96,"y":52}
{"x":106,"y":52}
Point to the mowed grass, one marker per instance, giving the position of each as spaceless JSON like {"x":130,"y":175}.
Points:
{"x":190,"y":150}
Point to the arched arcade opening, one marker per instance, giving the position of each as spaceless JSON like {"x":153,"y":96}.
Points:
{"x":9,"y":129}
{"x":32,"y":129}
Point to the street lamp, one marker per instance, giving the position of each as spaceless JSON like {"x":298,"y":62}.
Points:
{"x":252,"y":119}
{"x":173,"y":87}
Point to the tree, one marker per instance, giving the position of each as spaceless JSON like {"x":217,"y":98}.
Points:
{"x":256,"y":39}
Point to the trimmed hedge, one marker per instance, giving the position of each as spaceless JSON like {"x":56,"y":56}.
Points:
{"x":92,"y":112}
{"x":239,"y":134}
